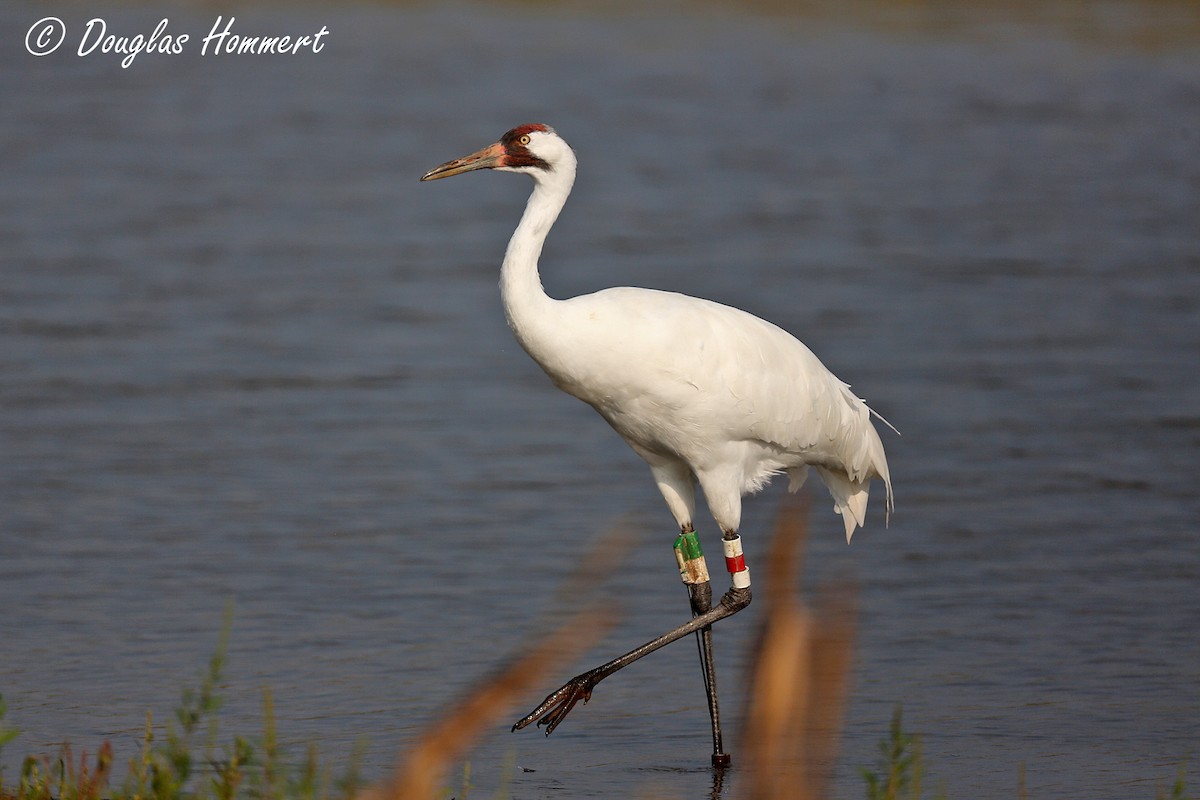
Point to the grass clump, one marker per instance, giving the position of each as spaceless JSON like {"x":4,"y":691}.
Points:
{"x":901,"y":769}
{"x":901,"y":766}
{"x":1178,"y":790}
{"x":188,"y":762}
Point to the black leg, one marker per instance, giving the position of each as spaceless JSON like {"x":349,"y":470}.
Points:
{"x":693,"y":571}
{"x":554,"y":709}
{"x":700,"y":595}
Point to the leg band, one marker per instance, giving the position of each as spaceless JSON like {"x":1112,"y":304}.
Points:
{"x":692,"y":568}
{"x":735,"y":562}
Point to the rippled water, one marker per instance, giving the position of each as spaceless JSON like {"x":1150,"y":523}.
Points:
{"x":245,"y":355}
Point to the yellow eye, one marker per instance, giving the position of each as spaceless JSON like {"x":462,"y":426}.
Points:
{"x":524,"y":139}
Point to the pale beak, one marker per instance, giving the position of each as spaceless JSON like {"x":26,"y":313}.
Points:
{"x":487,"y":158}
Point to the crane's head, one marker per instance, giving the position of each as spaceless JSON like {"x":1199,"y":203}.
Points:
{"x":533,"y":149}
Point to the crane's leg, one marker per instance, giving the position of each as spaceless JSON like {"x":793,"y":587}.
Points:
{"x":693,"y":570}
{"x":678,"y":487}
{"x":554,"y":709}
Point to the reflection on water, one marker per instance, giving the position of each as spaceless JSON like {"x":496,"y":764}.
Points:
{"x":244,"y":354}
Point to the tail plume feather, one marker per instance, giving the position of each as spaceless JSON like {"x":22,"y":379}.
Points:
{"x":849,"y":498}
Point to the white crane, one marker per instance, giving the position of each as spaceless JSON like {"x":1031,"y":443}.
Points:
{"x":703,"y":392}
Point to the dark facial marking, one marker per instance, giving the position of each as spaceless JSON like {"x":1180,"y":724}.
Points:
{"x":516,"y":154}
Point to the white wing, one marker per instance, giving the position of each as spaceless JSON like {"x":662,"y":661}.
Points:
{"x":697,"y":378}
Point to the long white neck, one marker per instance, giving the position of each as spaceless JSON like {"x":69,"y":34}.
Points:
{"x":526,"y":303}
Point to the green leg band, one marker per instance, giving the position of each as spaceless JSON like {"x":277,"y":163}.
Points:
{"x":692,"y":568}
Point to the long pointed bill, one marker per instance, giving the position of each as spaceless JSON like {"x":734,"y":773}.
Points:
{"x":487,"y":158}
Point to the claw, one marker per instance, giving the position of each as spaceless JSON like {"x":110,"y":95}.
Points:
{"x":554,"y":709}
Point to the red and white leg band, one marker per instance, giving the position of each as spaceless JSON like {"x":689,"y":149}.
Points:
{"x":735,"y":562}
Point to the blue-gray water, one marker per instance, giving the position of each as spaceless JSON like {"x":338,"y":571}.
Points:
{"x":245,"y":355}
